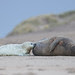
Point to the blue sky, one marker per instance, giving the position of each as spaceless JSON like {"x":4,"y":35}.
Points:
{"x":12,"y":12}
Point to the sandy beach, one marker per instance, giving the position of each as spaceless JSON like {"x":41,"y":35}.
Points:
{"x":37,"y":65}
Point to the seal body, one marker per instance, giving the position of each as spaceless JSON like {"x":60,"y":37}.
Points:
{"x":16,"y":49}
{"x":62,"y":46}
{"x":42,"y":47}
{"x":58,"y":46}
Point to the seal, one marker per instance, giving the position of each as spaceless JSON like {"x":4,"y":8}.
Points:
{"x":55,"y":46}
{"x":16,"y":49}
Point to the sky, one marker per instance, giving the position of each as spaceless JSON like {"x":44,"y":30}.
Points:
{"x":13,"y":12}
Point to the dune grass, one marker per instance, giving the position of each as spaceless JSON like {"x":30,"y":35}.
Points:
{"x":43,"y":22}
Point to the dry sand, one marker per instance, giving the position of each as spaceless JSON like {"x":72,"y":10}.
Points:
{"x":37,"y":65}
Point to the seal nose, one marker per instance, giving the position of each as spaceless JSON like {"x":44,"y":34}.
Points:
{"x":34,"y":44}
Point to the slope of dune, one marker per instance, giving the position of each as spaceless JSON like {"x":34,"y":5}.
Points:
{"x":45,"y":23}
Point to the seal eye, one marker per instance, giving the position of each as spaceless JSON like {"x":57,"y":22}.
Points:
{"x":31,"y":43}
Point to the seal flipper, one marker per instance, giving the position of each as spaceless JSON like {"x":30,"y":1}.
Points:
{"x":55,"y":43}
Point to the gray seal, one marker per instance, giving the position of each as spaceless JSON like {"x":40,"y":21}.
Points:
{"x":55,"y":46}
